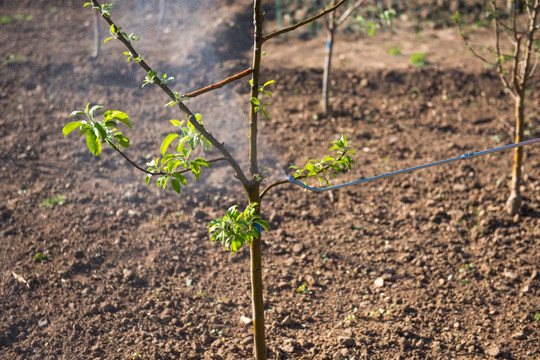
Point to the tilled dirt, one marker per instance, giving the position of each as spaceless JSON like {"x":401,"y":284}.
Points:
{"x":425,"y":265}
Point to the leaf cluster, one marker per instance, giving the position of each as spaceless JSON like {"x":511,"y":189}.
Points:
{"x":114,"y":30}
{"x":258,"y":105}
{"x":99,"y":132}
{"x":153,"y":77}
{"x":104,"y":9}
{"x":55,"y":200}
{"x":236,"y":228}
{"x":187,"y":138}
{"x":329,"y":165}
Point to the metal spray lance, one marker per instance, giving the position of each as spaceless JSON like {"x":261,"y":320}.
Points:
{"x":436,"y":163}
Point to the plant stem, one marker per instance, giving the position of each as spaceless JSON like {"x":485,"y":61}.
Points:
{"x":257,"y":52}
{"x":279,"y":182}
{"x":159,"y":173}
{"x":303,"y":22}
{"x":514,"y":201}
{"x":328,"y":62}
{"x":97,"y":41}
{"x":259,"y":340}
{"x":218,"y":85}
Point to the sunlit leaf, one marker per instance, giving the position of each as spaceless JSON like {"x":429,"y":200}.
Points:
{"x":69,"y":127}
{"x":167,"y":141}
{"x":93,"y":143}
{"x":119,"y":116}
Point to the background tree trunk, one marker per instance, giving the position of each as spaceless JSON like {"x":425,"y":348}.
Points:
{"x":511,"y":4}
{"x":513,"y":204}
{"x":97,"y":40}
{"x":325,"y":101}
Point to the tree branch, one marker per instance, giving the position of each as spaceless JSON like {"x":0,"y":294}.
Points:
{"x":159,"y":173}
{"x":468,"y":44}
{"x":271,"y":186}
{"x":218,"y":85}
{"x":529,"y":45}
{"x":319,"y":171}
{"x":498,"y":64}
{"x":189,"y":114}
{"x":132,"y":162}
{"x":303,"y":22}
{"x":348,"y":12}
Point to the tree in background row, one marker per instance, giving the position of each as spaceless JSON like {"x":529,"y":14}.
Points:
{"x":514,"y":56}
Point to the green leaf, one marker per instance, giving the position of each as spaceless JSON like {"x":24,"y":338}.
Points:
{"x":195,"y":169}
{"x":119,"y":116}
{"x":205,"y":143}
{"x":255,"y":101}
{"x":263,"y":224}
{"x":110,"y":124}
{"x":93,"y":109}
{"x":93,"y":143}
{"x":180,"y":178}
{"x":176,"y":186}
{"x":76,"y":112}
{"x":122,"y":140}
{"x":167,"y":141}
{"x":202,"y":162}
{"x":69,"y":127}
{"x":101,"y":130}
{"x":147,"y":178}
{"x":85,"y":129}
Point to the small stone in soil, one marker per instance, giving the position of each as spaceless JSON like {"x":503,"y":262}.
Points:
{"x":287,"y":321}
{"x":245,"y":320}
{"x":288,"y":348}
{"x":379,"y":282}
{"x":493,"y":351}
{"x":518,"y":335}
{"x":106,"y":307}
{"x":346,"y":341}
{"x":297,"y":248}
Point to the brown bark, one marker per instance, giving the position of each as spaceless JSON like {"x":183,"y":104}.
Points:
{"x":325,"y":101}
{"x":513,"y":204}
{"x":257,"y":299}
{"x":252,"y":189}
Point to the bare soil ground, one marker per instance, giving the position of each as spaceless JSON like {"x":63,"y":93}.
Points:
{"x":421,"y":266}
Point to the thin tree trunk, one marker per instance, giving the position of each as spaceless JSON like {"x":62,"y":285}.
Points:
{"x":97,"y":41}
{"x":511,"y":4}
{"x":513,"y":203}
{"x":325,"y":101}
{"x":161,"y":14}
{"x":259,"y":341}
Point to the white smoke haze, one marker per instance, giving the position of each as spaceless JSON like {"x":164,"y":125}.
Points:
{"x":191,"y":43}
